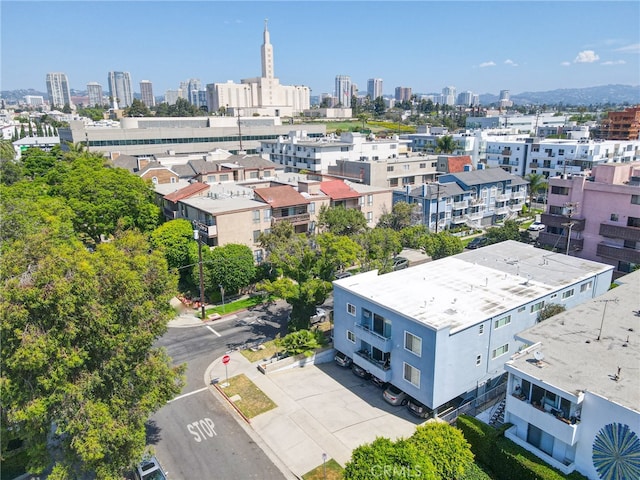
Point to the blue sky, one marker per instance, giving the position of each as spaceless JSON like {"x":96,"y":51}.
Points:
{"x":482,"y":46}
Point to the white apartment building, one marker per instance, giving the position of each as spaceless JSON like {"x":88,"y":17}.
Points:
{"x":298,"y":151}
{"x":58,"y":89}
{"x":96,"y":96}
{"x":553,"y":157}
{"x":146,"y":93}
{"x":573,"y":396}
{"x":120,"y":88}
{"x":374,"y":88}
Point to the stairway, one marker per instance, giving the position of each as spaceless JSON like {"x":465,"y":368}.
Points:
{"x":497,"y":418}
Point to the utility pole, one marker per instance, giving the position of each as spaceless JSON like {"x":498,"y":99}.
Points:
{"x":239,"y":131}
{"x":197,"y":235}
{"x":437,"y":206}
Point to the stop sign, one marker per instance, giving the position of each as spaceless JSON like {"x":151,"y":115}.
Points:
{"x":226,"y":359}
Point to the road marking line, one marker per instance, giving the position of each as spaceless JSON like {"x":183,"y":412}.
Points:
{"x":213,"y":331}
{"x":187,"y":394}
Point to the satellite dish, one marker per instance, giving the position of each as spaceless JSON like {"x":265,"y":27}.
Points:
{"x":538,"y":355}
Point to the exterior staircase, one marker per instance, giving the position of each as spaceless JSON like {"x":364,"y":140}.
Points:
{"x":497,"y":417}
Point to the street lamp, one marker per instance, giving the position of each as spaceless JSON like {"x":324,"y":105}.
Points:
{"x":324,"y":466}
{"x":197,"y":235}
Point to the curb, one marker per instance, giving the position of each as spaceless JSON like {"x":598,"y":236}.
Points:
{"x":244,"y":417}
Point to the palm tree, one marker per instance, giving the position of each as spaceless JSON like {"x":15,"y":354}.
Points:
{"x":537,"y":183}
{"x":446,"y":144}
{"x":363,"y":117}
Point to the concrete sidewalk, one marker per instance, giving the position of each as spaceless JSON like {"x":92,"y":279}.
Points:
{"x":320,"y":409}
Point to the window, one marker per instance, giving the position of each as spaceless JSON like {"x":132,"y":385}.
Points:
{"x":500,"y":351}
{"x":369,"y":216}
{"x":211,"y":178}
{"x":537,"y":307}
{"x":567,"y":294}
{"x":369,"y":200}
{"x":412,"y":375}
{"x":256,"y":216}
{"x":481,"y":329}
{"x":406,"y":167}
{"x":423,"y":165}
{"x":554,"y":295}
{"x":389,"y":168}
{"x":351,"y":309}
{"x":393,"y":182}
{"x":154,"y":180}
{"x":585,"y":286}
{"x":256,"y":236}
{"x":635,"y":199}
{"x":614,"y":217}
{"x":413,"y":343}
{"x":224,"y":178}
{"x":502,"y":321}
{"x":253,"y":174}
{"x":351,"y":336}
{"x":521,"y":309}
{"x":173,"y":180}
{"x":267,"y":215}
{"x":560,"y":190}
{"x":478,"y":360}
{"x":312,"y":208}
{"x":561,"y":151}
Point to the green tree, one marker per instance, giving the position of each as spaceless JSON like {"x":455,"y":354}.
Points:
{"x":380,"y":246}
{"x":537,"y":184}
{"x":37,"y":163}
{"x":341,"y":221}
{"x":66,"y":108}
{"x":510,"y":230}
{"x":137,"y":109}
{"x":400,"y":216}
{"x":379,"y":106}
{"x":6,"y":150}
{"x":175,"y":240}
{"x":103,"y":198}
{"x":231,"y":266}
{"x":162,"y":109}
{"x":336,"y":252}
{"x":80,"y":373}
{"x":413,"y":236}
{"x":442,"y":244}
{"x":301,"y":342}
{"x":550,"y":310}
{"x":363,"y":117}
{"x":446,"y":448}
{"x":447,"y":144}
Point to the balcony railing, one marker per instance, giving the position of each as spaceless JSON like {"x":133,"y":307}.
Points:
{"x":560,"y":241}
{"x":501,"y":210}
{"x":506,"y":151}
{"x":463,"y":204}
{"x":294,"y":219}
{"x":475,"y":215}
{"x":551,"y":220}
{"x":170,"y":214}
{"x":380,"y":369}
{"x":502,"y":197}
{"x":373,"y":338}
{"x":620,"y":253}
{"x":621,"y":232}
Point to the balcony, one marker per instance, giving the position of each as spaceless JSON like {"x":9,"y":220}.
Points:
{"x":460,"y":205}
{"x":170,"y":214}
{"x":560,"y":241}
{"x":566,"y":466}
{"x":294,"y":219}
{"x":506,"y":151}
{"x":375,"y":367}
{"x":458,"y":219}
{"x":502,"y":197}
{"x":475,"y":215}
{"x":617,"y":252}
{"x":534,"y":165}
{"x":547,"y":419}
{"x":501,"y":210}
{"x":373,"y":338}
{"x":621,"y":232}
{"x":559,"y":221}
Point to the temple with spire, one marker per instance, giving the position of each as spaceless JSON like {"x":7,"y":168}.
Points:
{"x":262,"y":95}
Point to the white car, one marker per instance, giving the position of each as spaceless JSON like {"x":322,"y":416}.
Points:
{"x":150,"y":469}
{"x":536,"y":227}
{"x":320,"y":316}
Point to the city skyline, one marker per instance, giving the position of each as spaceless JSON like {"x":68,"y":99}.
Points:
{"x":477,"y":46}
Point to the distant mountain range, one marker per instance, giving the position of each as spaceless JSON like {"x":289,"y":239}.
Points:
{"x":612,"y":94}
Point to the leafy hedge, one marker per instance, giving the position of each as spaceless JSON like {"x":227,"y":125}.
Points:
{"x":506,"y":459}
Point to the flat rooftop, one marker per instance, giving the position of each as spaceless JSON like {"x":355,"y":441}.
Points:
{"x":574,"y":360}
{"x":466,"y":289}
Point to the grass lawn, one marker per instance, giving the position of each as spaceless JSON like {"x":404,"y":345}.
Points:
{"x":242,"y":304}
{"x":252,"y":401}
{"x":334,"y":471}
{"x":268,"y":351}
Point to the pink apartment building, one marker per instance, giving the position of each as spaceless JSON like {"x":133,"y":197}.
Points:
{"x":596,"y":216}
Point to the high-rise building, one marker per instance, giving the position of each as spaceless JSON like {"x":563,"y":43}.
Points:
{"x":343,"y":90}
{"x":465,"y":98}
{"x":449,"y":95}
{"x":374,"y":88}
{"x":403,"y":94}
{"x":172,"y":96}
{"x":146,"y":92}
{"x":120,"y":88}
{"x":94,"y":91}
{"x":58,"y":89}
{"x":505,"y":100}
{"x":190,"y":89}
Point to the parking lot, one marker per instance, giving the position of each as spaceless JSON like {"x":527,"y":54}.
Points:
{"x":324,"y":409}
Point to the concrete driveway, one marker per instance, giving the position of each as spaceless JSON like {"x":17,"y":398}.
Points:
{"x":321,"y":409}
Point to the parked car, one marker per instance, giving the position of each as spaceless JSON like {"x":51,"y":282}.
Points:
{"x":419,"y":409}
{"x":360,"y":372}
{"x":477,"y":243}
{"x":378,"y":382}
{"x":150,"y":469}
{"x":320,"y":316}
{"x":400,"y":263}
{"x":342,"y":360}
{"x":536,"y":227}
{"x":395,"y":396}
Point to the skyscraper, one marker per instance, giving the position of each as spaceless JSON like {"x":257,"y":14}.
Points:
{"x":374,"y":88}
{"x":58,"y":89}
{"x":343,"y":90}
{"x":94,"y":91}
{"x":146,"y":92}
{"x":120,"y":88}
{"x":403,"y":94}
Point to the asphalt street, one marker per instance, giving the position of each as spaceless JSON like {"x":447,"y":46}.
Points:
{"x":195,"y":436}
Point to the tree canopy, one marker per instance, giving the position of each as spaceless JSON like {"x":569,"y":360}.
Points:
{"x":341,"y":221}
{"x":137,"y":109}
{"x":400,"y":216}
{"x":231,"y":267}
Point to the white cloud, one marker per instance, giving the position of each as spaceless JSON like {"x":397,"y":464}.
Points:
{"x":614,"y":62}
{"x":487,"y":64}
{"x":587,"y":56}
{"x":508,"y":61}
{"x":633,"y":48}
{"x":565,"y":64}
